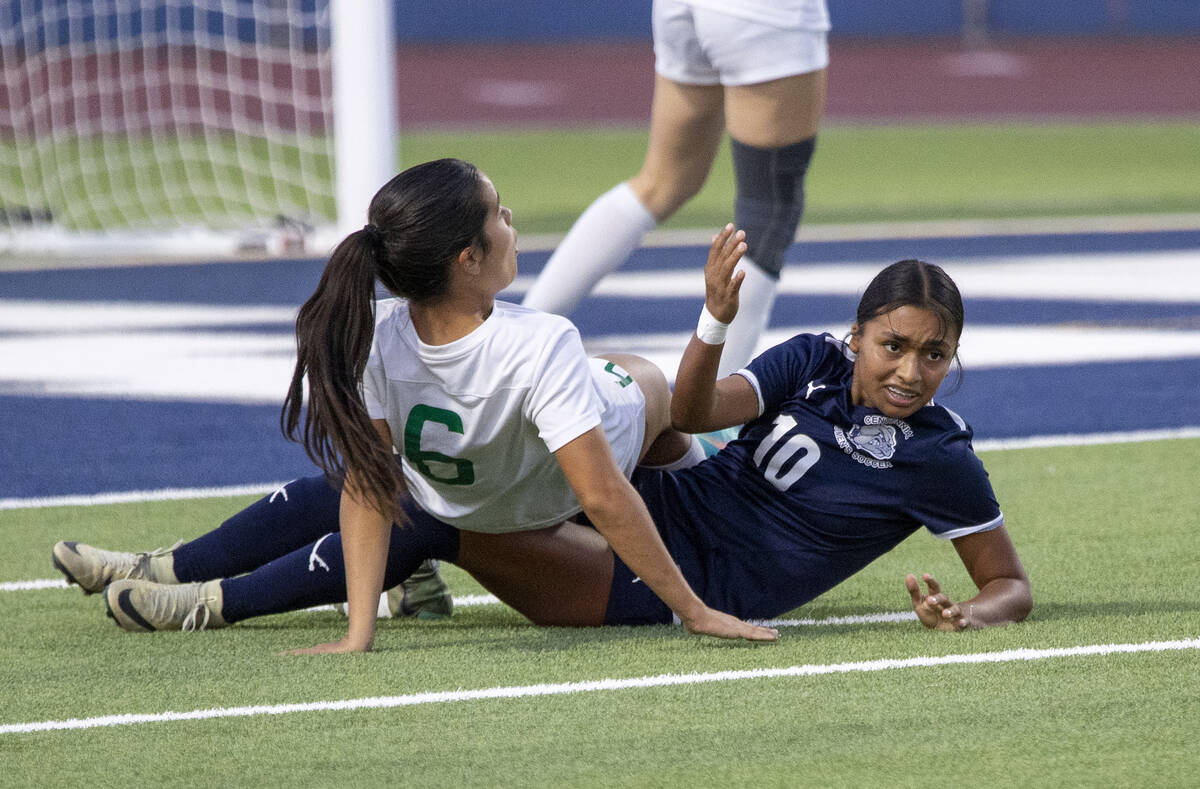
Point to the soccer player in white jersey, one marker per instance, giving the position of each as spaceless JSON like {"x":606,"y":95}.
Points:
{"x":502,"y":429}
{"x":755,"y":68}
{"x":843,"y":454}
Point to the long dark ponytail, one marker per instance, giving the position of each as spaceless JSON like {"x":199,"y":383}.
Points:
{"x":419,"y":222}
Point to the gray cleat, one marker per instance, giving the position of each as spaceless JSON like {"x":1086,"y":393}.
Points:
{"x":94,"y":568}
{"x":423,"y":595}
{"x":144,"y":605}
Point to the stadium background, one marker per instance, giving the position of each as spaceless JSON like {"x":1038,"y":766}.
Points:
{"x":540,"y":65}
{"x":1108,"y":532}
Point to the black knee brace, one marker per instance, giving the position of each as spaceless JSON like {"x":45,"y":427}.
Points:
{"x":770,"y":198}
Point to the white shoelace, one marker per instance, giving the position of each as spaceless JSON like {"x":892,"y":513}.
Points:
{"x":189,"y":622}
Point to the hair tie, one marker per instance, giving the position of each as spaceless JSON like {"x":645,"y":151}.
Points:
{"x":371,"y":233}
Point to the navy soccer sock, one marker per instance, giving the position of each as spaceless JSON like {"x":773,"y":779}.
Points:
{"x":294,"y":516}
{"x":315,"y":574}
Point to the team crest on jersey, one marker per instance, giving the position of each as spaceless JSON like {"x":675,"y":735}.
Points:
{"x":878,"y":441}
{"x":873,"y":443}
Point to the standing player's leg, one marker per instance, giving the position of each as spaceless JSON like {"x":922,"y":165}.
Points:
{"x":686,"y":124}
{"x":773,"y":127}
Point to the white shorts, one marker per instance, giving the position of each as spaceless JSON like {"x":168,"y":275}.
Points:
{"x":700,"y":46}
{"x":624,"y":416}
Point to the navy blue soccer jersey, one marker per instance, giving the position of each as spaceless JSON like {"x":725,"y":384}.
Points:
{"x":815,"y":488}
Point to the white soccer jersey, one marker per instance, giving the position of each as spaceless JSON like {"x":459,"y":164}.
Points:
{"x":476,"y":421}
{"x":790,"y":14}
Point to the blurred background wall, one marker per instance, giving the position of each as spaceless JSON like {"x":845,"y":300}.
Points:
{"x":538,"y":20}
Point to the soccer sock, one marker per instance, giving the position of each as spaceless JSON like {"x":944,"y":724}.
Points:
{"x":694,"y":455}
{"x":755,"y":299}
{"x":598,"y":243}
{"x":293,"y":516}
{"x":316,"y":574}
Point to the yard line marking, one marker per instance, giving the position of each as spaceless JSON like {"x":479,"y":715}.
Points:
{"x":38,"y":584}
{"x":900,"y":229}
{"x":1086,"y":439}
{"x":566,"y":688}
{"x":174,"y":494}
{"x":858,"y":619}
{"x":464,"y":601}
{"x":34,"y":585}
{"x":139,"y":496}
{"x":467,"y":601}
{"x":1077,"y":276}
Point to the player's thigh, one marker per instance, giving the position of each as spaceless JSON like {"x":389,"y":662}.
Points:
{"x":560,"y":575}
{"x":686,"y":124}
{"x":655,"y":391}
{"x":776,"y":113}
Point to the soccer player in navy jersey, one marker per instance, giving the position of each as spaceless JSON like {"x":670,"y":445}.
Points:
{"x":842,"y":455}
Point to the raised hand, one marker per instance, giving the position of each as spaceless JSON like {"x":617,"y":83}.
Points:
{"x":721,"y":282}
{"x":935,"y":610}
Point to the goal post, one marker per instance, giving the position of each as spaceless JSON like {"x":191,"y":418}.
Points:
{"x":364,"y":105}
{"x":192,"y":127}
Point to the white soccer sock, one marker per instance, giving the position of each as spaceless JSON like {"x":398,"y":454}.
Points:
{"x":598,"y":243}
{"x":694,"y":455}
{"x":755,"y":299}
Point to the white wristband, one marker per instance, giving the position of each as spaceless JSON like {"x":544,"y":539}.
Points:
{"x":710,"y":330}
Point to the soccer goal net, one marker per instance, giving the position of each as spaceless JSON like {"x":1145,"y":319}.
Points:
{"x":197,"y":127}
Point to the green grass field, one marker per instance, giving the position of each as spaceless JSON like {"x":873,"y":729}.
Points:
{"x":865,"y":173}
{"x":859,"y":174}
{"x":1107,"y":534}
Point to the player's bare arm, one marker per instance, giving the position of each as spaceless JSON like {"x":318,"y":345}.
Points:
{"x":1004,"y":597}
{"x":701,"y":402}
{"x":623,"y":520}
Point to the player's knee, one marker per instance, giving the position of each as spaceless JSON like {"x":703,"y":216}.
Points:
{"x":663,"y":194}
{"x":770,"y":198}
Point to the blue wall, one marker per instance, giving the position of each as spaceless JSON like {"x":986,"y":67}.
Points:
{"x":539,"y":20}
{"x":556,"y":20}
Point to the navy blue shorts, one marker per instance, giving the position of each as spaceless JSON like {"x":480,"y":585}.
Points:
{"x":630,"y":601}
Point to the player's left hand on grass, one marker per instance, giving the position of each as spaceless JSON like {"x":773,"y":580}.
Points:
{"x":935,"y":610}
{"x":714,"y":623}
{"x":721,"y":282}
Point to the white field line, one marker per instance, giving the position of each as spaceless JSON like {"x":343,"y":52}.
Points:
{"x":139,"y":496}
{"x":593,"y":686}
{"x":40,"y":584}
{"x":918,"y":229}
{"x":35,"y":585}
{"x":174,"y":494}
{"x":468,"y":601}
{"x":858,"y":619}
{"x":1086,"y":439}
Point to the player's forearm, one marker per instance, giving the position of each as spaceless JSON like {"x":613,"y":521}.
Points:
{"x":622,"y":519}
{"x":365,"y":539}
{"x":695,"y":396}
{"x":1001,"y":601}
